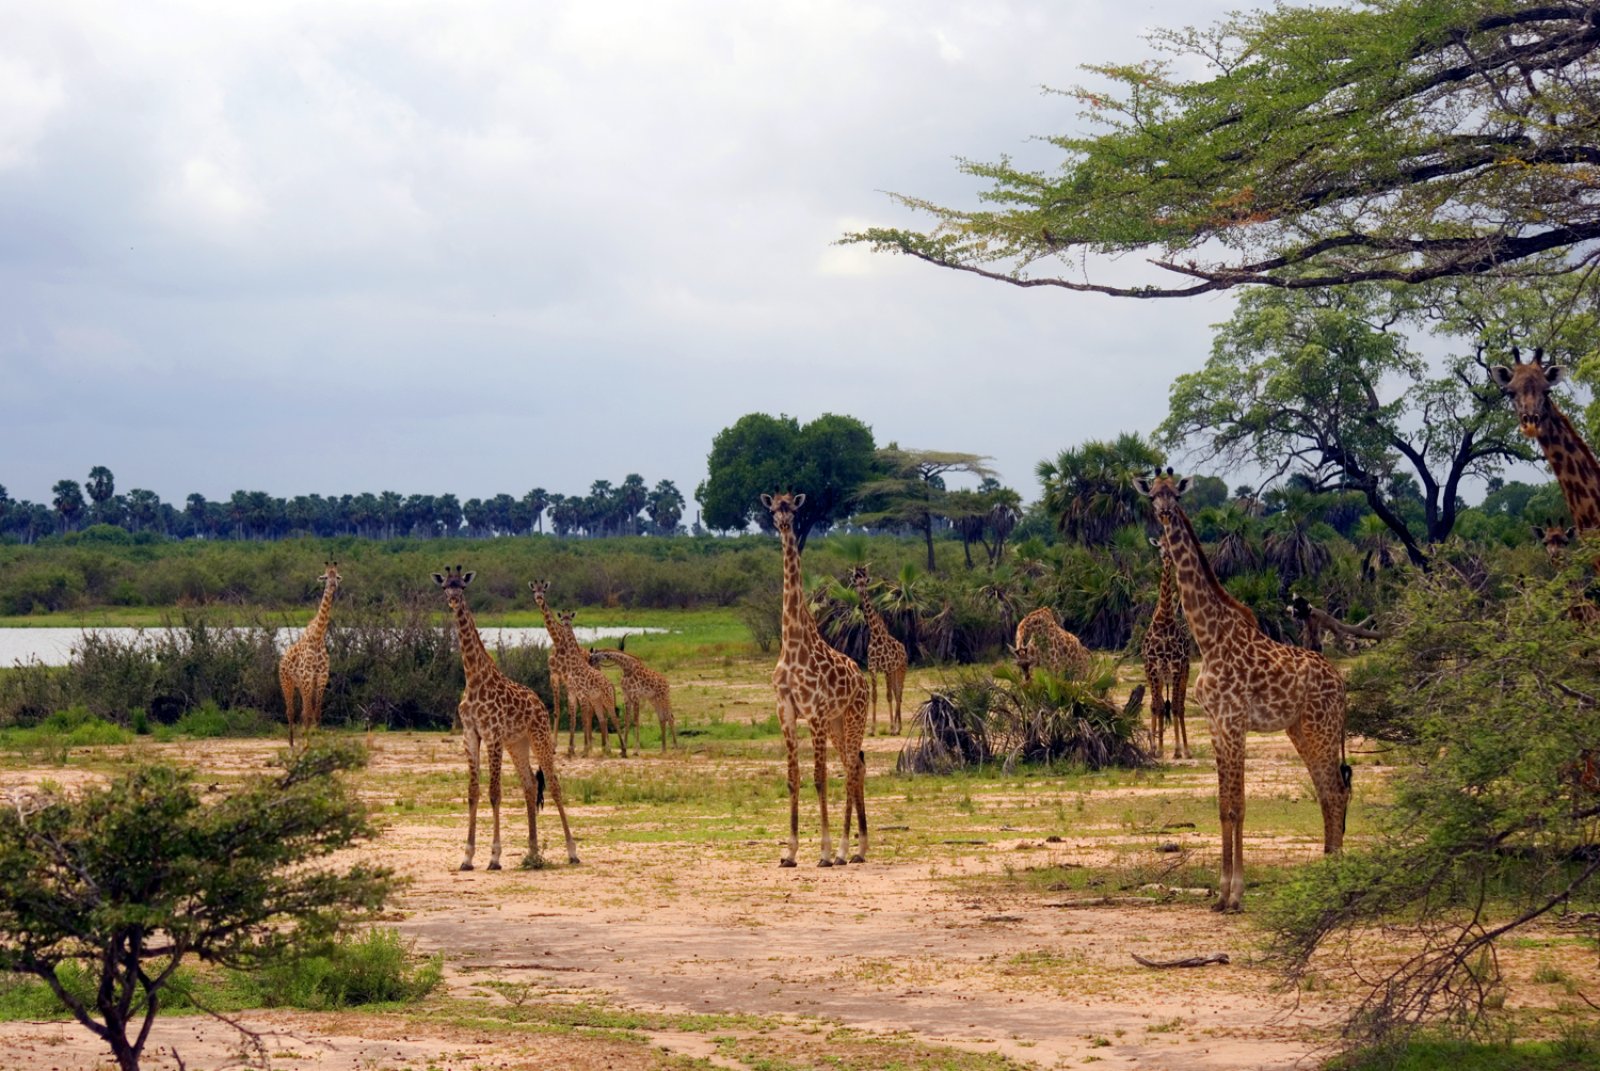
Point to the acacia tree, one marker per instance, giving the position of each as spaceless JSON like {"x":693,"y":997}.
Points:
{"x":1321,"y":385}
{"x":132,"y":878}
{"x":1402,"y":140}
{"x":911,"y":490}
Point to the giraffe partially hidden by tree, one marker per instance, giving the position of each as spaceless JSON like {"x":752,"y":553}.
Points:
{"x":825,"y":687}
{"x":1556,"y":542}
{"x":1316,"y":622}
{"x":1576,"y":470}
{"x":1165,"y":650}
{"x":1041,"y":641}
{"x":498,"y":712}
{"x":585,"y":689}
{"x":304,"y":666}
{"x":885,"y":655}
{"x":1250,"y":683}
{"x":640,"y":684}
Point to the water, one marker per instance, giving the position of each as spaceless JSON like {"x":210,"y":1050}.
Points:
{"x":53,"y":646}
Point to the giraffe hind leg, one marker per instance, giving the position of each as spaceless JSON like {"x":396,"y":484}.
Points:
{"x":532,"y":791}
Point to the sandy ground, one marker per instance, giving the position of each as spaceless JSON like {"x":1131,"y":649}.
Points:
{"x":896,"y":949}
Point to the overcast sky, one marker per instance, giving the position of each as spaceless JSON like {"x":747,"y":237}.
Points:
{"x":426,"y":247}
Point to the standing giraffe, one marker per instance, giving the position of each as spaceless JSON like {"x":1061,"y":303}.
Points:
{"x":1576,"y":470}
{"x":304,"y":666}
{"x":1042,"y":641}
{"x":826,"y":688}
{"x":497,"y":711}
{"x":640,"y":684}
{"x":587,"y":691}
{"x":1165,"y":650}
{"x":1247,"y":683}
{"x":885,"y":655}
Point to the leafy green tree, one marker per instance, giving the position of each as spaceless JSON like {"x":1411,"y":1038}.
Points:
{"x":68,"y":502}
{"x":665,"y":507}
{"x":130,"y":879}
{"x":1089,"y":489}
{"x":1301,"y":383}
{"x":911,"y":491}
{"x":1401,"y":140}
{"x":827,"y":460}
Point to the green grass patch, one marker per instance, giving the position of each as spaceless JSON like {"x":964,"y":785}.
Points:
{"x":1578,"y":1051}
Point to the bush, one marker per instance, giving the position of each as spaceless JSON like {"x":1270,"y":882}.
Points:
{"x":377,"y":966}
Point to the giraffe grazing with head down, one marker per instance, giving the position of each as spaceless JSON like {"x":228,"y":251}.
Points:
{"x":304,"y":666}
{"x":1041,"y":641}
{"x":586,"y":690}
{"x":1576,"y":470}
{"x":498,"y":712}
{"x":640,"y":685}
{"x":825,"y":687}
{"x":1250,"y":683}
{"x":885,"y":655}
{"x":1165,"y":650}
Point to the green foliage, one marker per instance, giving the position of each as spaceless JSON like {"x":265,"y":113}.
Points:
{"x":1322,"y":145}
{"x":1089,"y":488}
{"x":130,"y":879}
{"x":1491,"y":683}
{"x":376,"y":966}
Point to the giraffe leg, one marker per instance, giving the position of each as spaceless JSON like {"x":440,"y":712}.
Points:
{"x":819,"y":767}
{"x":897,"y":691}
{"x":1180,"y":729}
{"x":856,"y":789}
{"x":1230,"y":806}
{"x":1323,"y":760}
{"x":1158,"y":721}
{"x":494,"y":747}
{"x":469,"y":740}
{"x":872,"y":683}
{"x":314,"y":719}
{"x":530,"y":795}
{"x":786,"y":717}
{"x":548,"y":765}
{"x":287,"y":684}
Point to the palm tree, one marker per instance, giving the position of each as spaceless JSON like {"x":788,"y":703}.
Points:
{"x":1290,"y":545}
{"x":1234,"y":551}
{"x":68,"y":502}
{"x":1089,"y":490}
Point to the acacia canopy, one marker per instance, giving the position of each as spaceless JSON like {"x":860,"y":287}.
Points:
{"x":1398,"y":140}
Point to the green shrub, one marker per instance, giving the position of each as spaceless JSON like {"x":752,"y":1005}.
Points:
{"x":377,"y":966}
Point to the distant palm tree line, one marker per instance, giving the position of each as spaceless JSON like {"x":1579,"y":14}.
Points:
{"x":631,"y":507}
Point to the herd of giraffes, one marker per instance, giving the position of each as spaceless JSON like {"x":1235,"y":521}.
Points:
{"x":1247,"y":682}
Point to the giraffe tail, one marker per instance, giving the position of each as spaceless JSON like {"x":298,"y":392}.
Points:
{"x":538,"y":791}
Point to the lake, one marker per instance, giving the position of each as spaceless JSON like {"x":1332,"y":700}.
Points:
{"x":53,"y":646}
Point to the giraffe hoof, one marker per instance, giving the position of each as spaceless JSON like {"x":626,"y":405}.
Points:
{"x":840,"y":860}
{"x":858,"y":858}
{"x":466,"y":866}
{"x":493,"y":866}
{"x":786,"y":862}
{"x":573,"y":860}
{"x":824,"y":862}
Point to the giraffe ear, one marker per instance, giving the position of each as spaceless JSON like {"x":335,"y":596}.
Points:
{"x":766,"y":500}
{"x":466,"y":578}
{"x":799,"y":500}
{"x":1141,"y":485}
{"x":1156,"y":543}
{"x":1555,"y":374}
{"x":438,"y":578}
{"x":1183,"y":484}
{"x":1538,"y":532}
{"x":1501,"y":376}
{"x":1572,"y":533}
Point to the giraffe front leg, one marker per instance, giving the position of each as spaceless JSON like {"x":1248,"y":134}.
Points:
{"x":819,"y":766}
{"x":288,"y":703}
{"x":494,"y":802}
{"x":1230,"y":808}
{"x":1158,"y":721}
{"x":786,"y":717}
{"x":469,"y":740}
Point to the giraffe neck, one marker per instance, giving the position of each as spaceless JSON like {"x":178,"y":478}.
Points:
{"x":1164,"y":615}
{"x":799,"y":627}
{"x":319,"y":624}
{"x":561,"y":638}
{"x":1211,"y":612}
{"x":1574,"y":465}
{"x":475,"y":660}
{"x":875,"y":622}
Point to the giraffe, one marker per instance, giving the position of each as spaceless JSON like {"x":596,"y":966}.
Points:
{"x":587,"y":690}
{"x":1555,"y":540}
{"x":885,"y":655}
{"x":1576,"y":470}
{"x":1042,"y":641}
{"x":1248,"y":682}
{"x":304,"y":666}
{"x":640,"y":684}
{"x":1165,"y":650}
{"x":827,"y":688}
{"x":498,"y":712}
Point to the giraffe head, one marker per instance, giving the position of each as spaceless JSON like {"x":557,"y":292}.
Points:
{"x":565,"y":617}
{"x":330,"y":575}
{"x":454,"y":582}
{"x":1026,"y":658}
{"x":539,"y":589}
{"x":1299,"y":608}
{"x":1555,"y":540}
{"x":859,"y":578}
{"x":783,"y":506}
{"x":1528,"y":386}
{"x":1163,"y":490}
